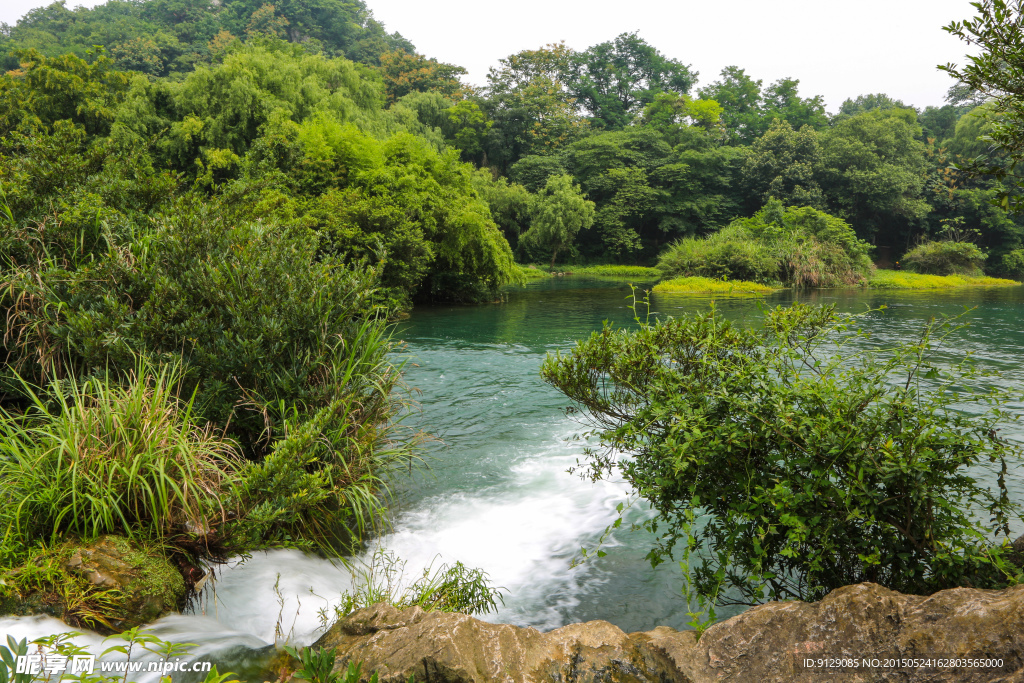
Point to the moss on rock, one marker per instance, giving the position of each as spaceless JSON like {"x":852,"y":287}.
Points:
{"x":110,"y":584}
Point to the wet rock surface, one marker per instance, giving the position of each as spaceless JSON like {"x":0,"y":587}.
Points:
{"x":863,"y":623}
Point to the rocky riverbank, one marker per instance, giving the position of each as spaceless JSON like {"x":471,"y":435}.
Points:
{"x":865,"y":623}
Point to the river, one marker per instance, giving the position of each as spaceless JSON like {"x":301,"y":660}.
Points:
{"x":497,"y":494}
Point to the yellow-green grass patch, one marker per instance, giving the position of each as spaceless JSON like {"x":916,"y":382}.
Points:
{"x":898,"y":279}
{"x":706,"y":285}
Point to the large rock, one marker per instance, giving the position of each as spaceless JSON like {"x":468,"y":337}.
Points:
{"x":454,"y":648}
{"x":864,"y":624}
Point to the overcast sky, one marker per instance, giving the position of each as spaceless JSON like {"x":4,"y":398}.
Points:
{"x":836,"y":49}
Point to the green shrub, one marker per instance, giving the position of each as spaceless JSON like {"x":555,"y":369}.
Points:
{"x":1013,"y":263}
{"x":731,"y":253}
{"x":258,"y":315}
{"x":792,"y":459}
{"x":801,"y":247}
{"x":944,"y":258}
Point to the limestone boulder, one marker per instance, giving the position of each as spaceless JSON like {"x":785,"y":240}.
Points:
{"x":870,"y":629}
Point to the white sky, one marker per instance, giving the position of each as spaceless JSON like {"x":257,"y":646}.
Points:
{"x":836,"y":49}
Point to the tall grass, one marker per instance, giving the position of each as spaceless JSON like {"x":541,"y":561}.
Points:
{"x":731,"y":253}
{"x":325,"y":483}
{"x":895,"y":279}
{"x":96,"y":457}
{"x":801,"y":247}
{"x":945,"y":258}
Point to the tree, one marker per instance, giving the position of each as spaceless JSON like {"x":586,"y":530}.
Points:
{"x":740,"y":98}
{"x":532,"y":110}
{"x":872,"y":173}
{"x":786,"y":460}
{"x":997,"y":72}
{"x":782,"y":101}
{"x":613,"y":81}
{"x":871,"y":102}
{"x":404,"y":73}
{"x":783,"y":164}
{"x":748,"y":112}
{"x":558,"y":213}
{"x":510,"y":204}
{"x":50,"y":89}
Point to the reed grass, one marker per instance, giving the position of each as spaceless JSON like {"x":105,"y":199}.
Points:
{"x":705,"y":285}
{"x":898,"y":279}
{"x":100,"y":458}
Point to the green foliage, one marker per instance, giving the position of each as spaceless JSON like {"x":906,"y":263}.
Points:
{"x":161,"y":37}
{"x":872,"y":171}
{"x":995,"y":72}
{"x":557,"y":214}
{"x":50,"y":89}
{"x":615,"y":80}
{"x":9,"y":655}
{"x":1013,"y":263}
{"x":63,"y":645}
{"x":944,"y":258}
{"x":318,"y":664}
{"x":871,"y":102}
{"x":730,"y":254}
{"x":792,"y":459}
{"x":748,"y":112}
{"x":404,"y":73}
{"x":509,"y":204}
{"x":532,"y":172}
{"x":782,"y":164}
{"x":802,"y":247}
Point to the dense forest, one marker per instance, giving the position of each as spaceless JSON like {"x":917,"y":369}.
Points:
{"x":239,"y":99}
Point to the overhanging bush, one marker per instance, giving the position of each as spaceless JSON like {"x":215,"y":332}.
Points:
{"x":793,"y":460}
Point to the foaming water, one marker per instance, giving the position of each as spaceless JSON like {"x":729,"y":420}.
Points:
{"x":209,"y":640}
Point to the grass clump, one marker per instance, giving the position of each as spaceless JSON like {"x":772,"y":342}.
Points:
{"x":706,"y":285}
{"x":896,"y":279}
{"x":801,"y":247}
{"x":102,"y":458}
{"x":447,"y":588}
{"x":946,"y":257}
